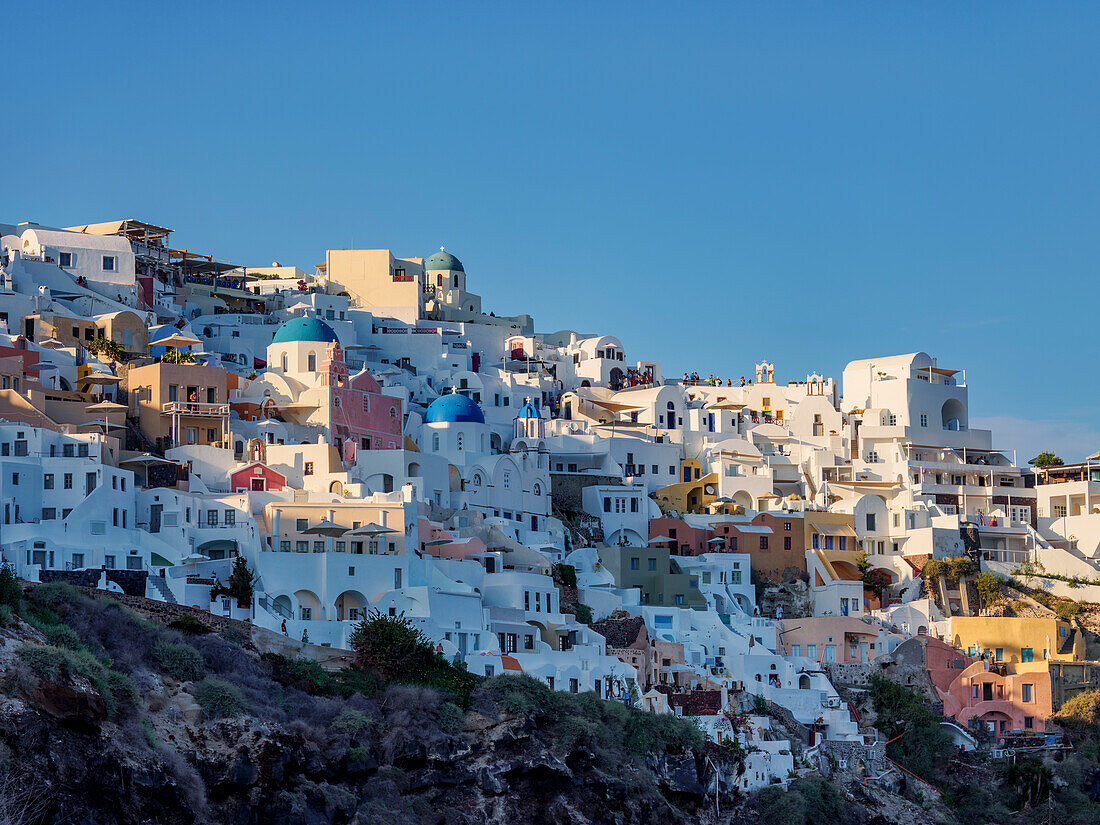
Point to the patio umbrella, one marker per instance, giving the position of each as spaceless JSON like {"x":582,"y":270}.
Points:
{"x":194,"y":557}
{"x":325,"y":528}
{"x":370,"y":529}
{"x":105,"y":407}
{"x":435,"y":542}
{"x":145,"y":459}
{"x":52,"y":343}
{"x":176,"y":339}
{"x":716,"y":541}
{"x":99,"y":378}
{"x":661,"y":539}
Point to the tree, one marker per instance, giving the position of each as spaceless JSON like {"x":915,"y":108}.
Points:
{"x":10,"y":591}
{"x":392,"y":645}
{"x":990,"y":587}
{"x":1046,"y":459}
{"x":178,"y":356}
{"x":877,"y":580}
{"x":241,"y":584}
{"x":106,"y":347}
{"x":863,"y":563}
{"x":1029,"y":570}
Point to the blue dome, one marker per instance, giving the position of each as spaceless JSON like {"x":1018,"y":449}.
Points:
{"x":449,"y":409}
{"x":305,"y":329}
{"x":528,"y":410}
{"x":443,"y":260}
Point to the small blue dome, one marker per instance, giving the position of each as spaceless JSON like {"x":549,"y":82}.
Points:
{"x":305,"y":329}
{"x":528,"y":410}
{"x":443,"y":260}
{"x":449,"y":409}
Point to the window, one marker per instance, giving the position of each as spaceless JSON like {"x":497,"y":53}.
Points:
{"x":652,"y":565}
{"x":305,"y":613}
{"x":309,"y":468}
{"x":870,"y":522}
{"x":1027,"y":654}
{"x":311,"y":362}
{"x":109,"y":562}
{"x":763,"y":542}
{"x":811,"y":651}
{"x":1000,"y":654}
{"x":923,"y":421}
{"x":47,"y":481}
{"x":65,"y":259}
{"x":796,"y":650}
{"x":49,"y":513}
{"x":1029,"y":722}
{"x":212,"y":518}
{"x":110,"y":263}
{"x":78,"y":561}
{"x":1025,"y":692}
{"x":786,"y":542}
{"x":301,"y":547}
{"x":679,"y":599}
{"x":635,"y":564}
{"x":68,"y":481}
{"x":230,"y":518}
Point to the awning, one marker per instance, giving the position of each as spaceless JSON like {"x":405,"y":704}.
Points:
{"x":827,"y":529}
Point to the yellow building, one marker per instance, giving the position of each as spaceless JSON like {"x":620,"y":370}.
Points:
{"x":377,"y":280}
{"x":1022,"y":644}
{"x":693,"y":494}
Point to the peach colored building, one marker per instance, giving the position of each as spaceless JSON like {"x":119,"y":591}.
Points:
{"x":180,"y":403}
{"x":999,"y":701}
{"x":841,"y":639}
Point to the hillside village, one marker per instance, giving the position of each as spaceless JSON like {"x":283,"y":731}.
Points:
{"x":300,"y":449}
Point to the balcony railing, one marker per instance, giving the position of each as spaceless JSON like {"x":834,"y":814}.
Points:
{"x":195,"y":408}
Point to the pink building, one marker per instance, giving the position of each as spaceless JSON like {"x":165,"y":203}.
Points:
{"x":256,"y":477}
{"x":1001,"y":703}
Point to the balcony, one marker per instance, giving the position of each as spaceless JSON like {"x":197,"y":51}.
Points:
{"x":196,"y":409}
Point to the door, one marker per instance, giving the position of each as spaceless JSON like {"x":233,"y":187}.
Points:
{"x":258,"y":485}
{"x":154,"y":517}
{"x":830,"y":653}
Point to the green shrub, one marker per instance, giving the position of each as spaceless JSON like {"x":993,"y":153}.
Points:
{"x":54,"y":595}
{"x":121,"y":694}
{"x":583,"y":613}
{"x":1067,"y":610}
{"x":45,"y":660}
{"x":925,"y":747}
{"x":811,"y":800}
{"x":190,"y":625}
{"x":61,"y":635}
{"x":662,"y":732}
{"x":358,"y":754}
{"x":220,"y":699}
{"x":521,"y":695}
{"x":567,"y":573}
{"x":7,"y":616}
{"x":150,"y":735}
{"x":180,"y":661}
{"x":11,"y":594}
{"x":352,"y":722}
{"x":450,"y":718}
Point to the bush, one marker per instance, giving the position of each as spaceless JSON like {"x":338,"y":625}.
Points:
{"x":1067,"y":610}
{"x":583,"y":613}
{"x":990,"y":587}
{"x":46,"y":660}
{"x":567,"y":573}
{"x":220,"y":699}
{"x":61,"y":635}
{"x":241,"y":584}
{"x":54,"y":595}
{"x":352,"y":722}
{"x":451,"y":718}
{"x":811,"y":800}
{"x":7,"y":616}
{"x":190,"y":625}
{"x":11,"y":593}
{"x":521,"y":695}
{"x":925,"y":746}
{"x":180,"y":661}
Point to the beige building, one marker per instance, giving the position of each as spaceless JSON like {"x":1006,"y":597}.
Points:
{"x":378,"y":281}
{"x":71,"y":332}
{"x":125,"y":328}
{"x":180,"y":403}
{"x":288,"y":525}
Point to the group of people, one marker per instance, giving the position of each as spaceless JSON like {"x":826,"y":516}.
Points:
{"x":692,"y":379}
{"x":633,"y":378}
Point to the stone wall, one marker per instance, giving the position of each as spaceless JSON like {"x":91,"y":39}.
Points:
{"x":132,"y":582}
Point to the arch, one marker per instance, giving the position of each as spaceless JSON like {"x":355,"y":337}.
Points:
{"x":435,"y":442}
{"x":218,"y":548}
{"x":804,"y":682}
{"x":414,"y":469}
{"x":953,"y":414}
{"x":350,"y":606}
{"x":309,"y":606}
{"x":286,"y":362}
{"x":336,"y":487}
{"x":670,"y":416}
{"x":311,"y":362}
{"x":536,"y":489}
{"x":283,"y":606}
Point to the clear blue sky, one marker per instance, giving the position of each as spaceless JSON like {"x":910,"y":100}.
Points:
{"x":714,"y":183}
